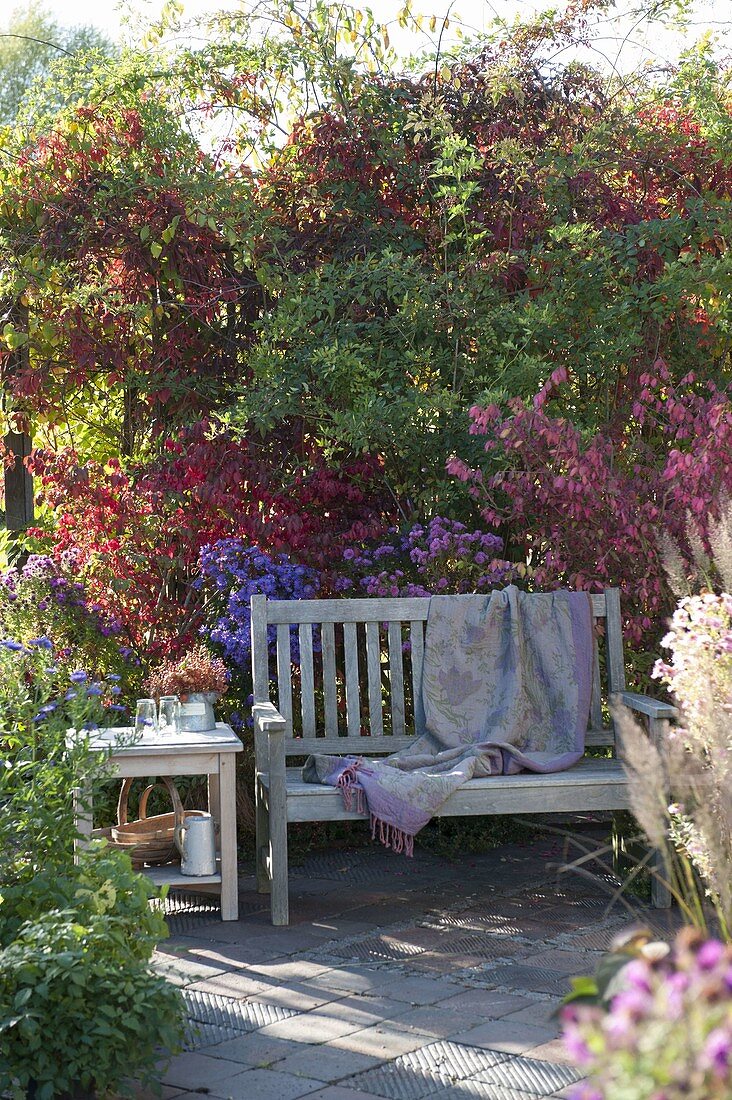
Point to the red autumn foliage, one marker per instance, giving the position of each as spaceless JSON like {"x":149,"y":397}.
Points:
{"x":136,"y":531}
{"x":594,"y":513}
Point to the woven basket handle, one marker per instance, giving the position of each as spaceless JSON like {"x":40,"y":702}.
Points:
{"x":124,"y":797}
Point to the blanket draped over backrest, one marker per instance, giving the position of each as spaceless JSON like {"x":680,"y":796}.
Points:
{"x":506,"y":684}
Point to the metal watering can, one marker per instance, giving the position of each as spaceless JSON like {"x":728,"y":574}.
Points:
{"x":195,"y":839}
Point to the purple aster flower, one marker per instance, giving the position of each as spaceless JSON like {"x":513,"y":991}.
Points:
{"x":95,"y":689}
{"x":718,"y":1051}
{"x":78,"y":677}
{"x":9,"y":643}
{"x":41,"y":643}
{"x":709,"y":955}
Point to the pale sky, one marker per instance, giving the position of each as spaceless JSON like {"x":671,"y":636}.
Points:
{"x":475,"y":14}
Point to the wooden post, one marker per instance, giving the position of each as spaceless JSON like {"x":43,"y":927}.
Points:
{"x":18,"y":483}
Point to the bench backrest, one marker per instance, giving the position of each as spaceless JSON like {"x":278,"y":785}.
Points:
{"x":348,"y":671}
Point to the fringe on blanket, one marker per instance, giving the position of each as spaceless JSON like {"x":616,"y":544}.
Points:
{"x":392,"y":837}
{"x":348,"y":783}
{"x":389,"y":835}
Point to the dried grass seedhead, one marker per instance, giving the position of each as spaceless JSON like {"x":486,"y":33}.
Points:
{"x":648,"y":785}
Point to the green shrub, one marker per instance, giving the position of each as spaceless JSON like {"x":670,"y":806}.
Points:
{"x":79,"y":1008}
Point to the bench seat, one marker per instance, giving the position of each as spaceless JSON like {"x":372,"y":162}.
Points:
{"x":591,"y":784}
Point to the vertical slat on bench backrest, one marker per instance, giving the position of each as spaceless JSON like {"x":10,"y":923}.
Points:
{"x":284,"y":674}
{"x":373,"y":666}
{"x":396,"y":679}
{"x":307,"y":680}
{"x":260,"y":649}
{"x":596,"y":697}
{"x":330,"y":698}
{"x":614,"y":635}
{"x":353,"y":709}
{"x":416,"y":636}
{"x":614,"y":651}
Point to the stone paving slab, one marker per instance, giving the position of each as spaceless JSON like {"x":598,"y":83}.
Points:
{"x":395,"y":979}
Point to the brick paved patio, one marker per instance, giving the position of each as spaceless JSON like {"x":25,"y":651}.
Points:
{"x":396,"y":979}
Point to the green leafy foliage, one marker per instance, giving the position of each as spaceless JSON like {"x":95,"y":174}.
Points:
{"x":78,"y":1008}
{"x":79,"y":1005}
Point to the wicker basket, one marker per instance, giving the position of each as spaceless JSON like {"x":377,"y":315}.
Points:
{"x":149,"y":839}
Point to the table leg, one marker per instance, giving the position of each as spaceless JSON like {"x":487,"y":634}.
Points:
{"x":83,"y":818}
{"x":227,"y":799}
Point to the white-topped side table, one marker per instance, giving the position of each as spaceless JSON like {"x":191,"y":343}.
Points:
{"x":211,"y":753}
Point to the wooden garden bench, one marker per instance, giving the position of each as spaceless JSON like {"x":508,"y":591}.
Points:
{"x":354,"y":693}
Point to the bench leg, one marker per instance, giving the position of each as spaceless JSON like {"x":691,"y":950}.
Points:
{"x":278,"y":828}
{"x":280,"y":883}
{"x":262,"y":838}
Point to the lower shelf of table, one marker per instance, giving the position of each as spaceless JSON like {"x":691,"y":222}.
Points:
{"x":170,"y":875}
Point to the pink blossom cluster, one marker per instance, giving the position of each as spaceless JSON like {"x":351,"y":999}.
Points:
{"x":589,"y":513}
{"x":700,"y":669}
{"x":666,"y":1033}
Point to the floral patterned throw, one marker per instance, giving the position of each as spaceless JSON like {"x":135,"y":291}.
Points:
{"x":506,"y":686}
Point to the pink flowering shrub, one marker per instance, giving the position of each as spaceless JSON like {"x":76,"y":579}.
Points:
{"x":442,"y":556}
{"x":664,"y":1029}
{"x":590,"y":512}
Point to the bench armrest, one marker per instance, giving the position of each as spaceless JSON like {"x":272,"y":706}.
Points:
{"x":643,"y":704}
{"x":268,"y":719}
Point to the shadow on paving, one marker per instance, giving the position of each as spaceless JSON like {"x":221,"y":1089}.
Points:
{"x":397,"y":978}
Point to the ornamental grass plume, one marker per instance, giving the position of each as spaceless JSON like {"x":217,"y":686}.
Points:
{"x":662,"y":1027}
{"x":680,"y":788}
{"x":196,"y":672}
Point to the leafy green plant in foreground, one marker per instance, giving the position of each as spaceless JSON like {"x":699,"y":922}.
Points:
{"x":80,"y":1007}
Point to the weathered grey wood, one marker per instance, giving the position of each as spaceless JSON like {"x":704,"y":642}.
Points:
{"x":396,"y":678}
{"x":359,"y":745}
{"x":596,"y":698}
{"x":353,"y":703}
{"x":593,"y":784}
{"x":211,"y":753}
{"x":590,"y":785}
{"x":367,"y":610}
{"x":330,"y":697}
{"x":284,"y":674}
{"x":261,"y":825}
{"x":360,"y":610}
{"x":614,"y":637}
{"x":602,"y":736}
{"x":643,"y":704}
{"x":260,"y":650}
{"x":227,"y":838}
{"x":307,"y":680}
{"x":416,"y":637}
{"x":373,"y":666}
{"x":277,"y":807}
